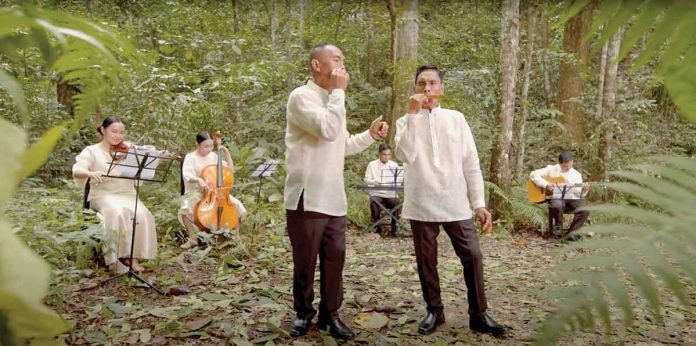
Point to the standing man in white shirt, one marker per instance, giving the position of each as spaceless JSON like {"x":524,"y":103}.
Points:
{"x":317,"y":140}
{"x":443,"y":177}
{"x":383,"y":171}
{"x":568,"y":200}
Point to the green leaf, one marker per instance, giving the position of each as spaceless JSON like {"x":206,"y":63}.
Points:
{"x":15,"y":90}
{"x":38,"y":153}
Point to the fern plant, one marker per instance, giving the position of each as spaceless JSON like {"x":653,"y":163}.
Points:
{"x":84,"y":54}
{"x":657,"y":243}
{"x":667,"y":25}
{"x":517,"y":208}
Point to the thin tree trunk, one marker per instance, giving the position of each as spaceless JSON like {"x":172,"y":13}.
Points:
{"x":570,"y":83}
{"x":236,"y":16}
{"x":370,"y":61}
{"x":404,"y":58}
{"x":500,"y":158}
{"x":608,"y":105}
{"x":338,"y":18}
{"x":274,"y":23}
{"x":527,"y":74}
{"x":302,"y":24}
{"x":600,"y":83}
{"x":548,"y":92}
{"x":287,"y":46}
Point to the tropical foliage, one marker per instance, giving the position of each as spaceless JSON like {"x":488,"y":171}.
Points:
{"x":656,"y":242}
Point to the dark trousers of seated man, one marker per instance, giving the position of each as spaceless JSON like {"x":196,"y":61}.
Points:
{"x":465,"y":241}
{"x":315,"y":234}
{"x":559,"y":206}
{"x":389,"y":203}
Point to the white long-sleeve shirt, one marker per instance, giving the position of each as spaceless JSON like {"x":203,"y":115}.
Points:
{"x":382,"y":173}
{"x":554,"y":171}
{"x":317,"y":142}
{"x":442,"y":166}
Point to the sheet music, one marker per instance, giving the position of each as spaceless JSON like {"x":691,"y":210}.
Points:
{"x":571,"y":192}
{"x":128,"y":167}
{"x":392,"y":175}
{"x":266,"y":169}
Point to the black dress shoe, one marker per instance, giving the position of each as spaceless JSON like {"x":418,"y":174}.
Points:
{"x":300,"y":325}
{"x":430,"y":322}
{"x":486,"y":324}
{"x":336,"y":328}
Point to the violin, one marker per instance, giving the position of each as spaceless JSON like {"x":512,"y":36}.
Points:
{"x":216,"y":210}
{"x":123,"y":148}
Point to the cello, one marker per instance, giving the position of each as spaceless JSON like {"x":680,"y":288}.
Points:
{"x":215,"y":209}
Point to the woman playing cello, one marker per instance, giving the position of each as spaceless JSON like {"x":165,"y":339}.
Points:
{"x":113,"y":199}
{"x":195,"y":186}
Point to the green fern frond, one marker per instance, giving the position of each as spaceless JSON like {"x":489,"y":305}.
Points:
{"x":653,"y":9}
{"x":654,"y":249}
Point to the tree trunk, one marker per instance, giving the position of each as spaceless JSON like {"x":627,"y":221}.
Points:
{"x":370,"y":59}
{"x":65,"y":93}
{"x":608,"y":105}
{"x":600,"y":84}
{"x":235,"y":10}
{"x":287,"y":45}
{"x":274,"y":23}
{"x":527,"y":74}
{"x":404,"y":58}
{"x":303,"y":38}
{"x":570,"y":83}
{"x":548,"y":93}
{"x":338,"y":18}
{"x":500,"y":157}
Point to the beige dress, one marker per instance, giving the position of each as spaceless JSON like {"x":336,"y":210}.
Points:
{"x":114,"y":201}
{"x":191,"y":168}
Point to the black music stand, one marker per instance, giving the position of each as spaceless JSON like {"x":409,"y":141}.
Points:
{"x":562,"y":189}
{"x":264,"y":170}
{"x":138,"y":167}
{"x":392,"y":179}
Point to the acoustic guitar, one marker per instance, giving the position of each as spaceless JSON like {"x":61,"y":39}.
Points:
{"x":536,"y":194}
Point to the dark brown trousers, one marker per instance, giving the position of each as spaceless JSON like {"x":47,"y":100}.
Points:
{"x":557,"y":207}
{"x":466,"y":246}
{"x":315,"y":234}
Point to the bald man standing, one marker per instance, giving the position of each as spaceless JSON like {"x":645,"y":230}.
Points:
{"x":317,"y":140}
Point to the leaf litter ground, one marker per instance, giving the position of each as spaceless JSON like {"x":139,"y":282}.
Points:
{"x":223,"y":299}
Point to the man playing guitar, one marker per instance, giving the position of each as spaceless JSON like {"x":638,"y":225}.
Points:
{"x":566,"y":188}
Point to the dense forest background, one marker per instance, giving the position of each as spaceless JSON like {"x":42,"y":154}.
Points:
{"x":530,"y":80}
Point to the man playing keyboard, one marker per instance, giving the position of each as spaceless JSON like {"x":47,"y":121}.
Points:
{"x":383,"y":171}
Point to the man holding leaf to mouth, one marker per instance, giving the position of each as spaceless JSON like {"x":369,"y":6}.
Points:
{"x":317,"y":141}
{"x":442,"y":184}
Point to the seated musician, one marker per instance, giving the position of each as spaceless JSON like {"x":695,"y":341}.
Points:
{"x":194,"y":187}
{"x":561,"y":202}
{"x":114,"y":201}
{"x":381,"y":171}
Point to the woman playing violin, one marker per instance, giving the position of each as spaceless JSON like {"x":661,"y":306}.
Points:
{"x":195,"y":187}
{"x":113,"y":199}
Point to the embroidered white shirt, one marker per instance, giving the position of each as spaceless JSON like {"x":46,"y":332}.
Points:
{"x":443,"y":179}
{"x":317,"y":141}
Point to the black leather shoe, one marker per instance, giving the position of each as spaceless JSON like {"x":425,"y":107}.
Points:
{"x":486,"y":324}
{"x":300,"y":325}
{"x":336,"y":328}
{"x":572,"y":237}
{"x":430,"y":322}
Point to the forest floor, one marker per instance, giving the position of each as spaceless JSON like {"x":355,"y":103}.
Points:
{"x":222,"y":300}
